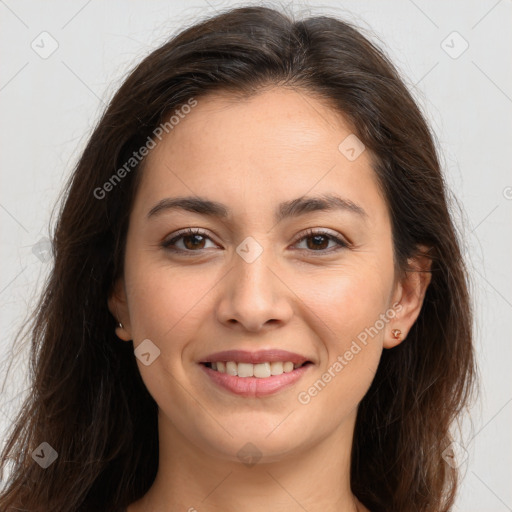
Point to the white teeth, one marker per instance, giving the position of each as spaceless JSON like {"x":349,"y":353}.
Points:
{"x":276,"y":368}
{"x":231,"y":368}
{"x":260,"y":370}
{"x":245,"y":369}
{"x":288,"y":367}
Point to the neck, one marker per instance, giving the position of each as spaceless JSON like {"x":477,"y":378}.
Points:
{"x":315,"y":478}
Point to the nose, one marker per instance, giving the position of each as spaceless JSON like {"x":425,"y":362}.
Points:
{"x":254,"y":296}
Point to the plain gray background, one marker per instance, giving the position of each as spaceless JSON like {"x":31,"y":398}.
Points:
{"x":456,"y":58}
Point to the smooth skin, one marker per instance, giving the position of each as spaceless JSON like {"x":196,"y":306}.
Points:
{"x":298,"y":295}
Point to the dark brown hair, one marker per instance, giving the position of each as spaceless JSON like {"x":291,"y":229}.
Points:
{"x":87,"y":399}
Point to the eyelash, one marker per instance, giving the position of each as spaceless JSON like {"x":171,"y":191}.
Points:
{"x":342,"y":244}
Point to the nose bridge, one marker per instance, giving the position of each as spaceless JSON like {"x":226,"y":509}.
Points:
{"x":253,"y":294}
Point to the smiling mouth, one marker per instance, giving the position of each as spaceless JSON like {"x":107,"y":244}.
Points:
{"x":260,"y":370}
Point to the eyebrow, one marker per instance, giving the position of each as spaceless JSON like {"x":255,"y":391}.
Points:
{"x":287,"y":209}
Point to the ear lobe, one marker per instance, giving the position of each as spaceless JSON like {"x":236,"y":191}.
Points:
{"x":118,"y":306}
{"x":394,"y":338}
{"x":410,"y":294}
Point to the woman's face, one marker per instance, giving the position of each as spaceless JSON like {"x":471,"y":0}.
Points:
{"x":254,"y":279}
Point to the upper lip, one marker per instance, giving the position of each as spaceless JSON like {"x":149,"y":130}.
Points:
{"x":261,"y":356}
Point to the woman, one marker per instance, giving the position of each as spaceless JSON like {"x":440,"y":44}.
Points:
{"x":258,"y":298}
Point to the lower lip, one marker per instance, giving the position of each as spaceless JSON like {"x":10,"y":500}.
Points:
{"x":254,"y":386}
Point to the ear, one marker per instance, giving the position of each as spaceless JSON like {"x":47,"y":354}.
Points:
{"x":409,"y":294}
{"x":118,"y":306}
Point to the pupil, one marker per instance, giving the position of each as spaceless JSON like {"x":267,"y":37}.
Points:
{"x":316,"y":238}
{"x":193,"y":237}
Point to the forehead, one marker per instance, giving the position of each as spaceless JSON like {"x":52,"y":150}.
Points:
{"x":278,"y":120}
{"x":277,"y":144}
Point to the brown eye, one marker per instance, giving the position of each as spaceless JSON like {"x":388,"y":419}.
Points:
{"x":192,"y":241}
{"x":195,"y":240}
{"x":318,"y":241}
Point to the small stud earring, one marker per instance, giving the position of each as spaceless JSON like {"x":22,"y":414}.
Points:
{"x":396,"y":333}
{"x":120,"y":325}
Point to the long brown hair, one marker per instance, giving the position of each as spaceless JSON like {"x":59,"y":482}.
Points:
{"x":87,"y":399}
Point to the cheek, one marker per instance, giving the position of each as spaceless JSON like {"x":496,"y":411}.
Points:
{"x":163,"y":297}
{"x":166,"y":306}
{"x":347,"y":301}
{"x":347,"y":310}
